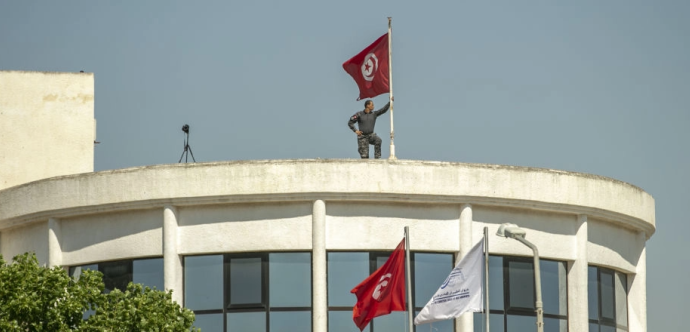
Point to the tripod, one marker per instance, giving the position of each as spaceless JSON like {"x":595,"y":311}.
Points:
{"x":187,"y":149}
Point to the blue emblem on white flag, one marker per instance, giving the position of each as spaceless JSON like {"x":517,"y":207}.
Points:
{"x":461,"y":292}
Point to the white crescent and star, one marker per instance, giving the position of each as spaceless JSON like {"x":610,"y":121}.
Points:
{"x":369,"y":67}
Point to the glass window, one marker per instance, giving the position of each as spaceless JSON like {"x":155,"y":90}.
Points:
{"x":149,"y":272}
{"x":246,"y":321}
{"x":496,"y":320}
{"x":246,"y":281}
{"x":521,"y":323}
{"x":608,"y":300}
{"x":431,"y":270}
{"x":607,"y":295}
{"x":76,"y":271}
{"x":290,"y":321}
{"x":593,"y":292}
{"x":553,"y":287}
{"x":116,"y":275}
{"x":396,"y":321}
{"x":203,"y":282}
{"x":521,"y":285}
{"x":496,"y":283}
{"x":209,"y":322}
{"x":555,"y":325}
{"x":290,"y":280}
{"x":344,"y":269}
{"x":621,"y":299}
{"x":512,"y":295}
{"x":347,"y":269}
{"x":264,"y":291}
{"x":341,"y":321}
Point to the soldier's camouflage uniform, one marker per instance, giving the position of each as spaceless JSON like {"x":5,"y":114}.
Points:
{"x":366,"y":122}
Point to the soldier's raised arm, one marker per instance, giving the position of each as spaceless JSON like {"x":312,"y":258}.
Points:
{"x":383,"y":109}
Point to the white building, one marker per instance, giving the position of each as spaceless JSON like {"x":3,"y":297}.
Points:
{"x":276,"y":245}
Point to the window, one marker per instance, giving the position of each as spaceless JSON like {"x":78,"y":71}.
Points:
{"x":250,"y":292}
{"x":117,"y":274}
{"x":607,"y":292}
{"x":347,"y":269}
{"x":512,"y":295}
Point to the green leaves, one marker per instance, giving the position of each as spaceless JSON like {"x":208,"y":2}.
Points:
{"x":35,"y":298}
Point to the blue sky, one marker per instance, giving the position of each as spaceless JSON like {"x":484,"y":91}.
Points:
{"x":598,"y":87}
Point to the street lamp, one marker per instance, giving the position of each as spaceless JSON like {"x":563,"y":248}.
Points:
{"x":514,"y":232}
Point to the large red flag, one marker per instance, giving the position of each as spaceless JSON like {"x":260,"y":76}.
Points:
{"x":383,"y":291}
{"x":369,"y":68}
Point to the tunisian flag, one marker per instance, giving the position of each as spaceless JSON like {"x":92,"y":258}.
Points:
{"x":369,"y":69}
{"x":383,"y":291}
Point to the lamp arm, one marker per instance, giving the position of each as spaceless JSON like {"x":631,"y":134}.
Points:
{"x":537,"y":282}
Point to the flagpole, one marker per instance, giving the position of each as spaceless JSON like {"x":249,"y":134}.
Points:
{"x":486,"y":277}
{"x":408,"y":280}
{"x":390,"y":85}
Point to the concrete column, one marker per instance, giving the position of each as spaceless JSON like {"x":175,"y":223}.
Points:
{"x":172,"y":262}
{"x":465,"y":323}
{"x":54,"y":237}
{"x":578,"y":311}
{"x":637,"y":290}
{"x":320,"y":288}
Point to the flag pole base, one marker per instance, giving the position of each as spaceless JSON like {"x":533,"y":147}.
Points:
{"x":392,"y":156}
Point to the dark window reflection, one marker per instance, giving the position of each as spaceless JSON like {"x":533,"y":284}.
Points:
{"x":593,"y":293}
{"x":553,"y":287}
{"x":495,"y":320}
{"x":149,"y":272}
{"x":430,"y":270}
{"x":344,"y":271}
{"x":290,"y":321}
{"x":496,"y":283}
{"x":246,"y":321}
{"x":116,"y":275}
{"x":209,"y":322}
{"x":621,"y":299}
{"x":607,"y":295}
{"x":521,"y":287}
{"x":521,"y":323}
{"x":203,"y":282}
{"x":555,"y":325}
{"x":245,"y":281}
{"x":396,"y":321}
{"x":341,"y":321}
{"x":608,"y":300}
{"x":290,"y":279}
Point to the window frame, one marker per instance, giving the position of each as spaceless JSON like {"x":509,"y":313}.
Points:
{"x":603,"y":321}
{"x":264,"y":306}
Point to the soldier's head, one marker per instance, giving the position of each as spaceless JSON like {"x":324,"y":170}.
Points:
{"x":368,"y":105}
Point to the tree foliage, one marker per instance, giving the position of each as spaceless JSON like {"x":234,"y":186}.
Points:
{"x":35,"y":298}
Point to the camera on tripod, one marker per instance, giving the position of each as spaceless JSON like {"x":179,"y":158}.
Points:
{"x":187,"y":149}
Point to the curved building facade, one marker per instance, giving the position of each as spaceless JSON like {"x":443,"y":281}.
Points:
{"x":277,"y":245}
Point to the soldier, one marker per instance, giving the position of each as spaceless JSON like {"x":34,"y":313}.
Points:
{"x":366,"y":120}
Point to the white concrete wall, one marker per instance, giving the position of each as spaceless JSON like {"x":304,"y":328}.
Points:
{"x":30,"y":238}
{"x":553,"y":233}
{"x":111,"y":236}
{"x":613,"y":247}
{"x":244,"y":227}
{"x":380,"y":226}
{"x":47,"y":125}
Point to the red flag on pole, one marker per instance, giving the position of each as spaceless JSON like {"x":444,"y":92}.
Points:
{"x":369,"y":69}
{"x":383,"y":291}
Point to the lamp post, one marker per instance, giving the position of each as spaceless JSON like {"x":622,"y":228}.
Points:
{"x":514,"y":232}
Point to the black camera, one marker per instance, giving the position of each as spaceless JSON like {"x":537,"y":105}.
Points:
{"x":185,"y":128}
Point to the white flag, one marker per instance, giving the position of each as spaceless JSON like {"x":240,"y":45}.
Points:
{"x":460,"y":293}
